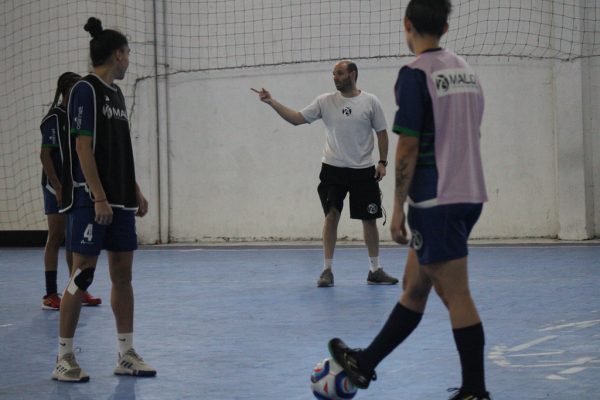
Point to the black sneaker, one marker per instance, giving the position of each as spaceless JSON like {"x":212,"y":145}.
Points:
{"x":326,"y":278}
{"x":459,"y":394}
{"x":380,"y":277}
{"x":346,"y":358}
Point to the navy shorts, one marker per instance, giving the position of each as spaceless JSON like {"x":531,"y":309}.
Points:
{"x":84,"y":236}
{"x":365,"y":196}
{"x":440,"y":233}
{"x":50,"y":205}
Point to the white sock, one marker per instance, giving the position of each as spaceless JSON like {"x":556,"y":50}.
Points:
{"x":328,"y":263}
{"x":65,"y":345}
{"x":125,"y":342}
{"x":374,"y":264}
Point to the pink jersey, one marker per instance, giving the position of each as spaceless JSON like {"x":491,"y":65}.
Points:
{"x":457,"y":101}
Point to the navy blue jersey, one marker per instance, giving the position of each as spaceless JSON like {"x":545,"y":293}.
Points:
{"x":414,"y":118}
{"x":54,"y":136}
{"x":98,"y":110}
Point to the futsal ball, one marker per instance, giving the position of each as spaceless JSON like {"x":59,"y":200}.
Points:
{"x":329,"y":381}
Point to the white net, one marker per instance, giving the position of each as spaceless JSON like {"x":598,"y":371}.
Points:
{"x":42,"y":39}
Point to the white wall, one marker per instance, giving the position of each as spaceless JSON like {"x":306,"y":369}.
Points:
{"x":220,"y":164}
{"x":238,"y":171}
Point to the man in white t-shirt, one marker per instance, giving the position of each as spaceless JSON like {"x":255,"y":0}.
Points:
{"x":350,"y":116}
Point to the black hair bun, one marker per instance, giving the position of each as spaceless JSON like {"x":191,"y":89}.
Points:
{"x":93,"y":26}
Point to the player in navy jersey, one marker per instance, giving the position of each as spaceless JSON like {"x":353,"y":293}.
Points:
{"x":439,"y":173}
{"x":54,"y":149}
{"x":102,"y":201}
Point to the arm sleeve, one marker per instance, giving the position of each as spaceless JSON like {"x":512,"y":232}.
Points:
{"x":82,"y":110}
{"x":49,"y":130}
{"x":378,"y":121}
{"x":411,"y":88}
{"x":312,"y":112}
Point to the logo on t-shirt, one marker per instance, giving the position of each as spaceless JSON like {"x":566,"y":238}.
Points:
{"x":451,"y":81}
{"x":346,"y":111}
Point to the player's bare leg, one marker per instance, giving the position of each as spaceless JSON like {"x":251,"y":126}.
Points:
{"x":67,"y":369}
{"x":371,"y":235}
{"x":451,"y":282}
{"x":56,"y":235}
{"x":121,"y":296}
{"x":377,"y":276}
{"x":416,"y":284}
{"x":122,"y":301}
{"x":330,"y":226}
{"x":71,"y":301}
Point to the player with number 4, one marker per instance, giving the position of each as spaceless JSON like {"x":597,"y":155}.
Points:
{"x":103,"y":199}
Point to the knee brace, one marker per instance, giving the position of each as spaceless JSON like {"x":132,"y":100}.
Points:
{"x":81,"y":280}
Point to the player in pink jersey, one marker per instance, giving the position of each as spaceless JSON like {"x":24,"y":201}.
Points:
{"x":439,"y":174}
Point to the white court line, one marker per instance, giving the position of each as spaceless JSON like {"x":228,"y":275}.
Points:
{"x":582,"y":324}
{"x":570,"y":371}
{"x":532,"y":343}
{"x":549,"y":353}
{"x":5,"y":325}
{"x":564,"y":364}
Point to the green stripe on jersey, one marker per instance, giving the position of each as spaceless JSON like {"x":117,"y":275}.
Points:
{"x":81,"y":132}
{"x":405,"y":131}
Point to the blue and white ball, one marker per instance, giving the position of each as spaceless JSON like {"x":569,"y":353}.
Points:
{"x":329,"y":382}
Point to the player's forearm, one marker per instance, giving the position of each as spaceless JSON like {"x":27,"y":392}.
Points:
{"x":407,"y":152}
{"x":383,"y":144}
{"x":48,"y":167}
{"x":90,"y":170}
{"x":291,"y":116}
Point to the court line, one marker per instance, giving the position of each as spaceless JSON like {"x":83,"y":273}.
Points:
{"x":532,"y":343}
{"x":582,"y":324}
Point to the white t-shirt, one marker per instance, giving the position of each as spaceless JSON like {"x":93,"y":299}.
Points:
{"x":349,"y":123}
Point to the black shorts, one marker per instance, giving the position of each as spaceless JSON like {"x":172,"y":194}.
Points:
{"x":365,"y":196}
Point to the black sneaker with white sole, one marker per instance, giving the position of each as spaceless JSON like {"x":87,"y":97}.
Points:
{"x":460,"y":394}
{"x":346,"y":358}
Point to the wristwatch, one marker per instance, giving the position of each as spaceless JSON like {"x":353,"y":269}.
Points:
{"x":384,"y":162}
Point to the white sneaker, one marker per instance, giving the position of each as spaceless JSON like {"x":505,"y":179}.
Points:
{"x":67,"y":370}
{"x":131,"y":363}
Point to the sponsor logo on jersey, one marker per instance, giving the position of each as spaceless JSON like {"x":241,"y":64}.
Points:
{"x":114,"y":112}
{"x":79,"y":117}
{"x":452,"y":81}
{"x":346,"y":111}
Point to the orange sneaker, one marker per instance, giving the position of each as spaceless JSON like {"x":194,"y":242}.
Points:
{"x":51,"y":302}
{"x":89,"y":300}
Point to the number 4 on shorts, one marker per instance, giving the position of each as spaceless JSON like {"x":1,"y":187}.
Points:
{"x":88,"y":233}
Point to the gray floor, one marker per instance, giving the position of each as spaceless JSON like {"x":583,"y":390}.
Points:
{"x":249,"y":323}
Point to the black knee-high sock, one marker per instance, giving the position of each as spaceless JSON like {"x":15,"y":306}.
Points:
{"x":470,"y":342}
{"x":51,"y":282}
{"x":398,"y":327}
